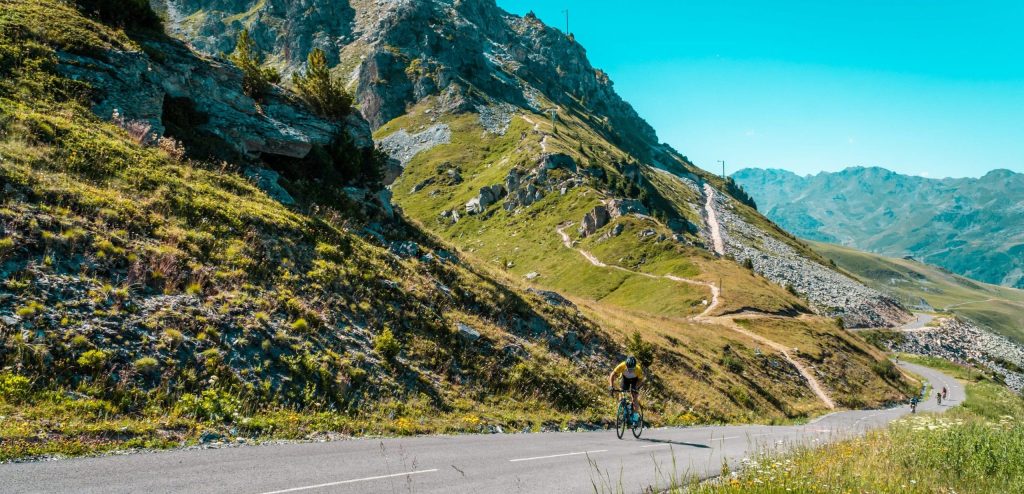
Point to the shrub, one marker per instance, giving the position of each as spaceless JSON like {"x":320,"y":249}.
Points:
{"x":386,"y":345}
{"x":14,"y":388}
{"x":886,"y":370}
{"x":324,"y":94}
{"x":146,"y":365}
{"x":29,"y":310}
{"x":6,"y":244}
{"x":212,"y":404}
{"x":300,"y":325}
{"x":173,"y":336}
{"x":256,"y":79}
{"x":93,"y":359}
{"x":731,"y":362}
{"x":642,"y":350}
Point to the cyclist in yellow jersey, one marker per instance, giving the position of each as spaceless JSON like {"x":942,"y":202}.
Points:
{"x":632,"y":378}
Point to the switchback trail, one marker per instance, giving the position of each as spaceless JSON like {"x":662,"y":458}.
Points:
{"x":553,"y":462}
{"x":704,"y":317}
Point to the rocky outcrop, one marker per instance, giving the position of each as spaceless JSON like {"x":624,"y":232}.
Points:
{"x":558,"y":160}
{"x":486,"y":197}
{"x":140,"y":88}
{"x":402,"y":52}
{"x":960,"y":341}
{"x":621,"y":207}
{"x":594,"y":220}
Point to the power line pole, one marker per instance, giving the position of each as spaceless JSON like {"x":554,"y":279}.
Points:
{"x":723,"y":168}
{"x":566,"y":11}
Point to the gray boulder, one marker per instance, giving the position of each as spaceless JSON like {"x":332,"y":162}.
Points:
{"x":594,"y":220}
{"x":487,"y":196}
{"x":620,"y":207}
{"x":267,"y":180}
{"x":467,"y":332}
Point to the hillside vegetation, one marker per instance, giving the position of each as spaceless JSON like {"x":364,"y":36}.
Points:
{"x":997,"y":308}
{"x":977,"y":447}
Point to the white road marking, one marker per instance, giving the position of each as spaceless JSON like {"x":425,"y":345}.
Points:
{"x":557,"y":456}
{"x":330,"y":484}
{"x":656,"y":445}
{"x":724,"y":438}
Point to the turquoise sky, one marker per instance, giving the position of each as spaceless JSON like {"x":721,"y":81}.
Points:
{"x":931,"y":88}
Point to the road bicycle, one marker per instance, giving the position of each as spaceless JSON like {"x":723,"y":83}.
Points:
{"x":626,"y":417}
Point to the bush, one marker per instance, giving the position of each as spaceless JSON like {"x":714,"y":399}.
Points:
{"x":93,"y":359}
{"x":642,"y":350}
{"x":886,"y":370}
{"x":256,"y":79}
{"x":731,"y":362}
{"x":386,"y":345}
{"x":14,"y":388}
{"x":146,"y":365}
{"x":300,"y":325}
{"x":213,"y":404}
{"x":324,"y":94}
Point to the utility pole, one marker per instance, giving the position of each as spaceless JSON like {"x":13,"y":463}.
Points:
{"x":723,"y":168}
{"x":554,"y":114}
{"x":566,"y":12}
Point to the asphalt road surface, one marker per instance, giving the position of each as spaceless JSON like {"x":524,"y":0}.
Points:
{"x":498,"y":463}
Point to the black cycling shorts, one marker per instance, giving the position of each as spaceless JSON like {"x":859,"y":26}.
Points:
{"x":630,"y":383}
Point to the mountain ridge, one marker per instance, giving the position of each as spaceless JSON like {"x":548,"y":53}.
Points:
{"x":966,"y":225}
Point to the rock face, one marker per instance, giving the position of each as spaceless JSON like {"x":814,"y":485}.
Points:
{"x":396,"y":53}
{"x":961,"y":341}
{"x":592,"y":221}
{"x":403,"y":146}
{"x":142,"y":89}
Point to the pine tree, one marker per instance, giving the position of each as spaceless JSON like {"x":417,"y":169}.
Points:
{"x":256,"y":79}
{"x":324,"y":94}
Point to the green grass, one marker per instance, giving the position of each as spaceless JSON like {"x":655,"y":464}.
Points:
{"x":998,"y":308}
{"x":977,"y":447}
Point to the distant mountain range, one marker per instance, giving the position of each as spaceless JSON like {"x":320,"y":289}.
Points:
{"x":971,"y":226}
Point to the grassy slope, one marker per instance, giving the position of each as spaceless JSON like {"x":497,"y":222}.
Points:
{"x":161,"y":298}
{"x":999,"y":308}
{"x":697,"y":385}
{"x":977,"y":447}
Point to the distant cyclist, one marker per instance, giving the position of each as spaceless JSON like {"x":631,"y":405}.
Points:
{"x":913,"y":404}
{"x":632,"y":378}
{"x":944,"y":396}
{"x":938,"y":397}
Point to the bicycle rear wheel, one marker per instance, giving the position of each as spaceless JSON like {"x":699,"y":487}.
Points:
{"x":621,"y":419}
{"x":638,"y":426}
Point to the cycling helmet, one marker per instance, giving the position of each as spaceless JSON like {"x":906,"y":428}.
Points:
{"x":631,"y":361}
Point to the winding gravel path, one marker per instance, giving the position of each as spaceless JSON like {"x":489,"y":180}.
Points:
{"x":705,"y":318}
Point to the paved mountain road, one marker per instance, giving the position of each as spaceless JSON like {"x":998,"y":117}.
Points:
{"x":500,"y":463}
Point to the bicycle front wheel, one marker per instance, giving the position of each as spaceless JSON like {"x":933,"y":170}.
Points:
{"x":621,"y":419}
